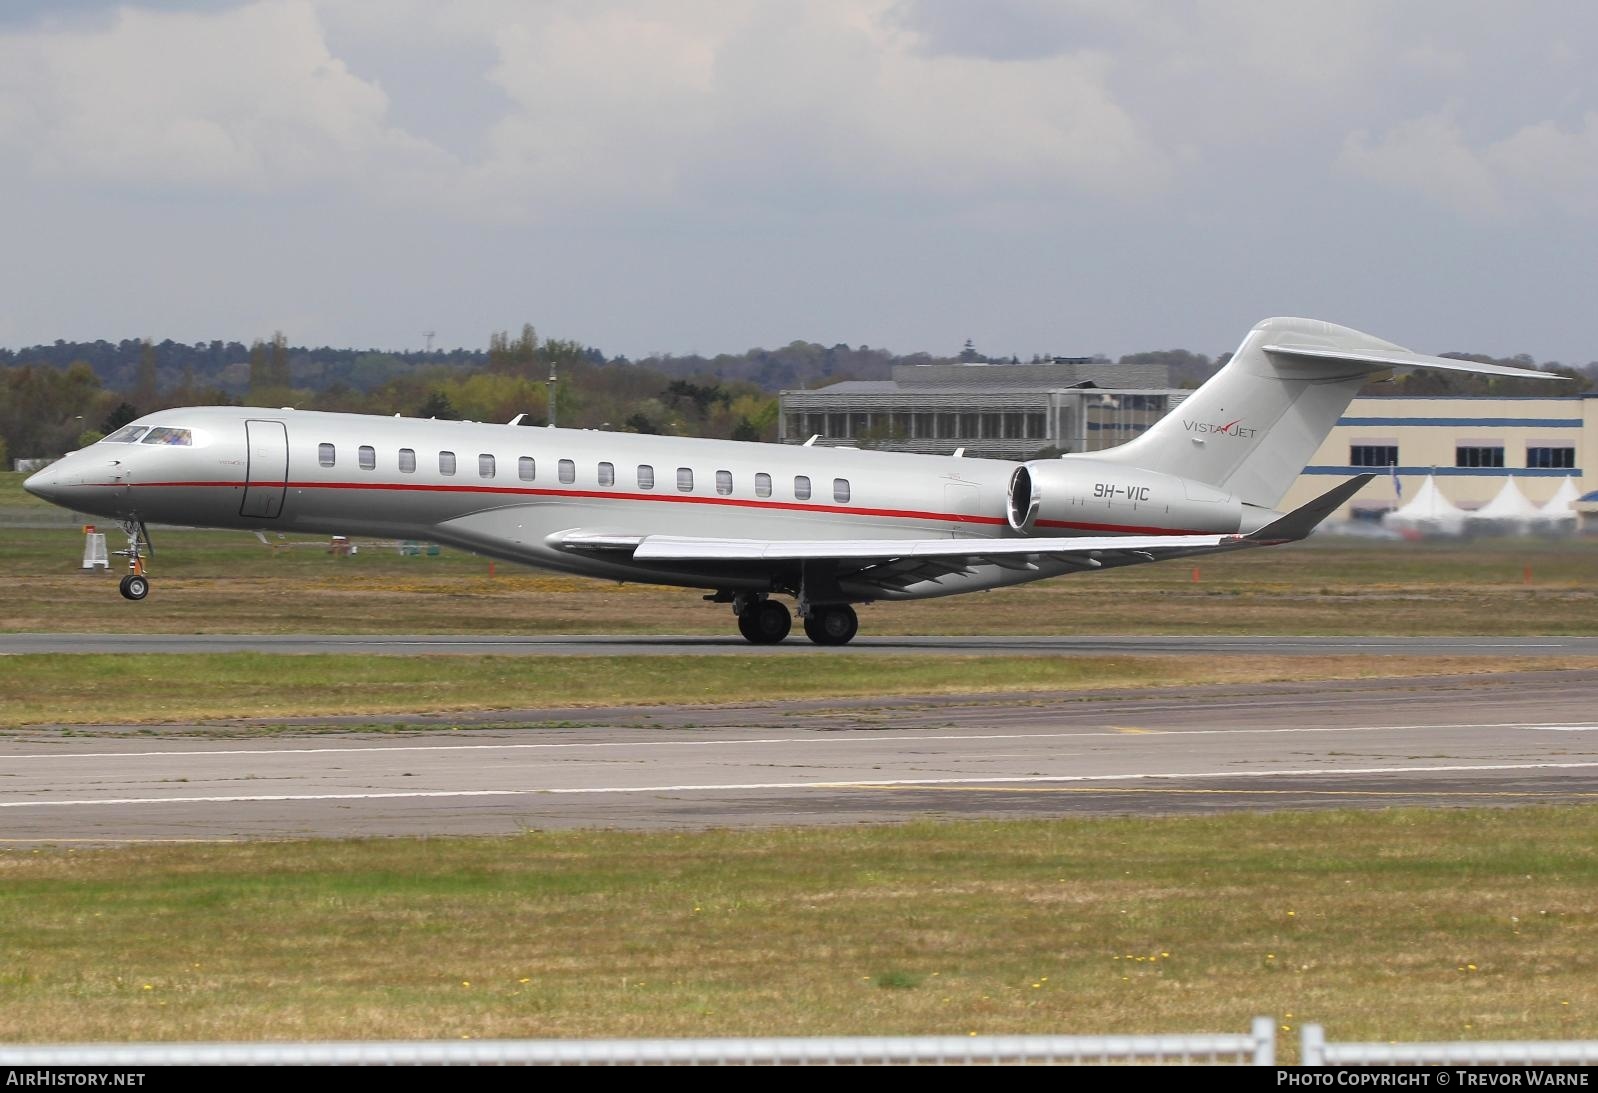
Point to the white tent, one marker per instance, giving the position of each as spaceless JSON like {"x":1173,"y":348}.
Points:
{"x":1428,"y":513}
{"x":1508,"y":513}
{"x":1557,"y":516}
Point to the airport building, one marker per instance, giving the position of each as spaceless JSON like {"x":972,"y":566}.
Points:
{"x":1010,"y":411}
{"x":992,"y":411}
{"x":1469,"y":445}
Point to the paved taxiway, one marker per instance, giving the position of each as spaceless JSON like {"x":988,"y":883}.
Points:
{"x":569,"y":645}
{"x":1519,"y":737}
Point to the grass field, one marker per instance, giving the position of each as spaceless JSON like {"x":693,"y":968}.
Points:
{"x":228,"y":582}
{"x":156,"y":688}
{"x":1404,"y":925}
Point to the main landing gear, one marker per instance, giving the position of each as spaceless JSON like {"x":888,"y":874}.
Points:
{"x":764,"y":621}
{"x":135,"y":586}
{"x":832,"y":624}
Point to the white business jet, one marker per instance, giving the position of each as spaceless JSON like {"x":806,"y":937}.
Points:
{"x":832,"y":527}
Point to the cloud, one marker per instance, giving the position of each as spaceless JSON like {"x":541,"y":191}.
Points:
{"x":1429,"y":155}
{"x":603,"y":105}
{"x":1553,"y":163}
{"x":246,"y":99}
{"x":1540,"y":166}
{"x":59,"y":12}
{"x":641,"y":107}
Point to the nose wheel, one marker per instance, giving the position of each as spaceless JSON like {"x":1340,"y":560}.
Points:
{"x":135,"y":586}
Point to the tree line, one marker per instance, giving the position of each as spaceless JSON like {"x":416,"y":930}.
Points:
{"x":57,"y":397}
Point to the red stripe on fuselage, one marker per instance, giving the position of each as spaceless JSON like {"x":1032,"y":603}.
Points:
{"x":616,"y":495}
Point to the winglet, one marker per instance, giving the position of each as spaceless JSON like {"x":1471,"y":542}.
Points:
{"x":1303,"y":520}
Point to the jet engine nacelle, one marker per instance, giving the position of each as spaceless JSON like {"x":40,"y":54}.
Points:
{"x":1083,"y":496}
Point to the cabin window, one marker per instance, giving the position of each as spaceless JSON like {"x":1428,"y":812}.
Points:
{"x":183,"y":438}
{"x":485,"y":466}
{"x":324,"y":453}
{"x":407,"y":460}
{"x":607,"y":474}
{"x":801,"y":487}
{"x":128,"y":434}
{"x":840,"y":490}
{"x":526,"y":469}
{"x":685,"y":479}
{"x":568,"y":471}
{"x":762,"y":485}
{"x":723,"y":482}
{"x":446,"y":462}
{"x":366,"y":455}
{"x":646,"y":476}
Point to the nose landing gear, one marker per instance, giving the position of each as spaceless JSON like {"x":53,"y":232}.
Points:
{"x":135,"y":586}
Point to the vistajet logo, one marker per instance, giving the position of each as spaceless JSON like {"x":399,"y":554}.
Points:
{"x":1231,"y":428}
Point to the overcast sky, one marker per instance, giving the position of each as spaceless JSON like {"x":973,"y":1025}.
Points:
{"x":1041,"y":176}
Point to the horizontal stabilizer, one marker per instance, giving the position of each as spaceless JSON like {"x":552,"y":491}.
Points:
{"x":1304,"y":519}
{"x":1404,"y":359}
{"x":1252,"y":426}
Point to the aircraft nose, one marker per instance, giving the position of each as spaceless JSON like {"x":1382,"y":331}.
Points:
{"x":76,"y":484}
{"x":46,"y":483}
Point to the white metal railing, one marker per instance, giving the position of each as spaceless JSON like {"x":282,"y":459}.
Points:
{"x":1315,"y":1051}
{"x":1257,"y":1047}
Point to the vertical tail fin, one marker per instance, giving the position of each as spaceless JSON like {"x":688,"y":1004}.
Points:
{"x":1254,"y":425}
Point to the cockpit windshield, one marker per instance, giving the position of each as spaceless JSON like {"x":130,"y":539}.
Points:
{"x":161,"y":434}
{"x":128,"y":434}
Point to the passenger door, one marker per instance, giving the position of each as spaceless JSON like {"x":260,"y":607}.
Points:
{"x":267,"y":471}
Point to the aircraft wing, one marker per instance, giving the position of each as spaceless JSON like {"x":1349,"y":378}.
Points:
{"x":975,"y":551}
{"x":897,"y":564}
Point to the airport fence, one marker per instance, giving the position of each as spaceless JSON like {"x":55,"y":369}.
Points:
{"x":1256,"y":1047}
{"x":1314,"y":1050}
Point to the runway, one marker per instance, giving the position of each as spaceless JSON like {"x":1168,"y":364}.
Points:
{"x":699,"y":645}
{"x":1511,"y":738}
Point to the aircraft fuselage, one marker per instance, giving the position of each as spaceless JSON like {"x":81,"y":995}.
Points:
{"x":512,"y":492}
